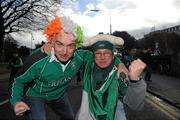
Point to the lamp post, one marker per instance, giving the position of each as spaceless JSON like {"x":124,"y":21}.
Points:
{"x":32,"y":39}
{"x":110,"y":26}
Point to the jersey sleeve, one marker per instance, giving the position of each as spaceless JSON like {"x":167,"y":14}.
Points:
{"x":25,"y":75}
{"x":21,"y":81}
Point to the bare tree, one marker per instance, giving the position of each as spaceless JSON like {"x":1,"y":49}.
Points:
{"x":20,"y":15}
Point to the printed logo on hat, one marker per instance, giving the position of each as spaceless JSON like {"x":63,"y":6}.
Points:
{"x":101,"y":45}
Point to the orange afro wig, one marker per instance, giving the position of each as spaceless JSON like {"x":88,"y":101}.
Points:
{"x":54,"y":27}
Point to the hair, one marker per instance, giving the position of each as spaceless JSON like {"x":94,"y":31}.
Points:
{"x":56,"y":25}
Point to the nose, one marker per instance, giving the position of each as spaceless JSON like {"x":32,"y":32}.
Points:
{"x":64,"y":50}
{"x":102,"y":56}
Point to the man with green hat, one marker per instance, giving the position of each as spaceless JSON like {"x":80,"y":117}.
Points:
{"x":101,"y":85}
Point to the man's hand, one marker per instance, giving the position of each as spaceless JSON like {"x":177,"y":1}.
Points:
{"x":46,"y":48}
{"x":122,"y":69}
{"x":20,"y":108}
{"x":135,"y":69}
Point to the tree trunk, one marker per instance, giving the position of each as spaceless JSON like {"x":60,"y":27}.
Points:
{"x":2,"y":34}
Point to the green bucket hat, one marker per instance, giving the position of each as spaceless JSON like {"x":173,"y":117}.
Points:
{"x":103,"y":45}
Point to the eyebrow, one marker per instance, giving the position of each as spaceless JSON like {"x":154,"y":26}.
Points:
{"x":67,"y":45}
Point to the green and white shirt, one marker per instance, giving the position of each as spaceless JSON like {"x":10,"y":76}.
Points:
{"x":47,"y":77}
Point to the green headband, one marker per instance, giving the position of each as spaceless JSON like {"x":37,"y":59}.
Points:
{"x":102,"y":45}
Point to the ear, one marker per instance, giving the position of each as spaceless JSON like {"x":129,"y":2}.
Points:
{"x":53,"y":40}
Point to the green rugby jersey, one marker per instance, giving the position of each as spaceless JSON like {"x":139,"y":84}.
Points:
{"x":48,"y":78}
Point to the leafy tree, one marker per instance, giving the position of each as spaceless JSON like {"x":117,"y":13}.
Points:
{"x":10,"y":46}
{"x":146,"y":42}
{"x":24,"y":51}
{"x":19,"y":15}
{"x":129,"y":41}
{"x":38,"y":45}
{"x":168,"y":42}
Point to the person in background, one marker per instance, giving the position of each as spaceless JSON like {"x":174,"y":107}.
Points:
{"x":14,"y":64}
{"x":147,"y":58}
{"x":101,"y":86}
{"x":47,"y":77}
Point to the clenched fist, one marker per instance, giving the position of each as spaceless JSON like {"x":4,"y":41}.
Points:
{"x":135,"y":69}
{"x":20,"y":108}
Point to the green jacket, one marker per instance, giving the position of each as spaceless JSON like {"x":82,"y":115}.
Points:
{"x":101,"y":103}
{"x":47,"y":78}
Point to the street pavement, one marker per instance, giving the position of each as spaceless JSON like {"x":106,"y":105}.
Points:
{"x":163,"y":86}
{"x":166,"y":88}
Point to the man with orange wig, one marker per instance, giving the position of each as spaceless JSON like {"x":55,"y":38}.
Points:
{"x":46,"y":78}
